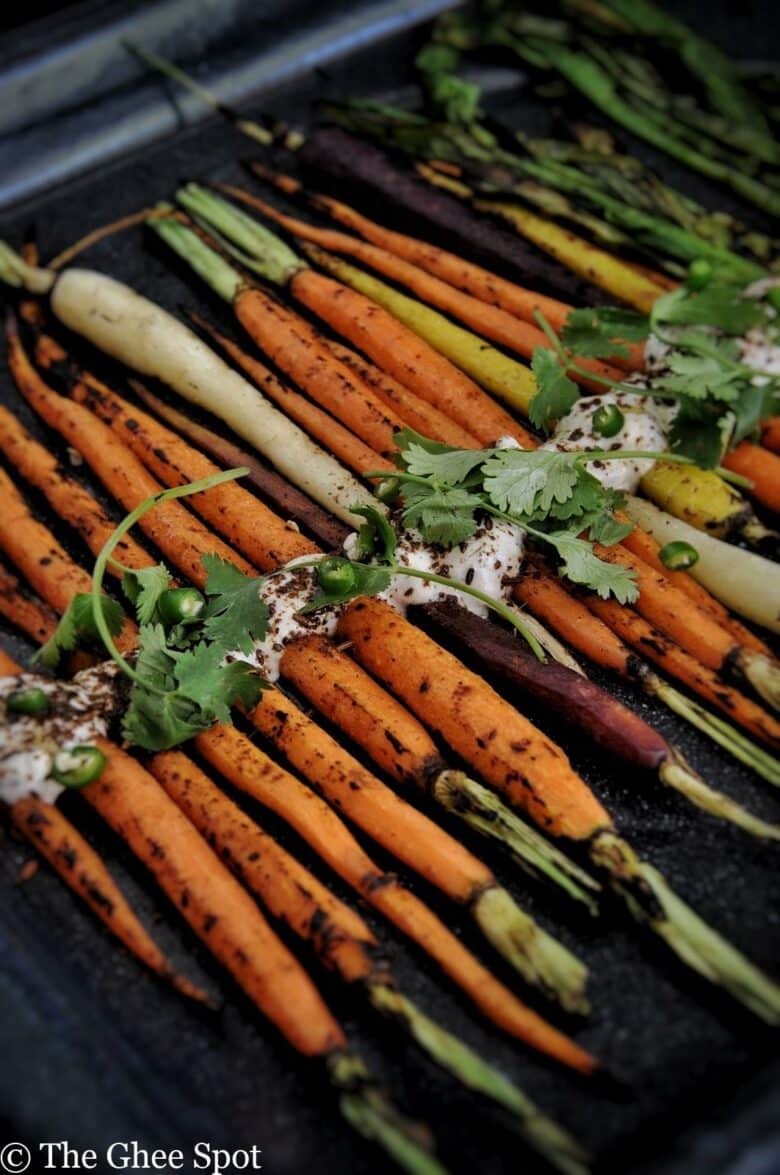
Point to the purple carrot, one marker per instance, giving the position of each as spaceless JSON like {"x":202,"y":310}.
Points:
{"x":338,"y":156}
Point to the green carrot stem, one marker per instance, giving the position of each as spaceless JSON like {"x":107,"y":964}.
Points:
{"x":549,"y":1139}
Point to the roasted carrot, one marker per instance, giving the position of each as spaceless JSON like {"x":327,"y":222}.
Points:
{"x":491,"y":321}
{"x":287,"y":500}
{"x":266,"y":540}
{"x":28,"y":614}
{"x":393,"y":346}
{"x":355,"y":702}
{"x":761,"y":467}
{"x":84,"y":872}
{"x":170,"y":525}
{"x":216,"y":907}
{"x":476,"y":722}
{"x":344,"y":943}
{"x":45,"y":564}
{"x":252,"y":771}
{"x":693,"y":628}
{"x":388,"y":326}
{"x":657,"y":647}
{"x":644,"y":546}
{"x":770,"y":434}
{"x":298,"y":350}
{"x":68,"y":497}
{"x":419,"y":414}
{"x":319,"y":424}
{"x":414,"y":839}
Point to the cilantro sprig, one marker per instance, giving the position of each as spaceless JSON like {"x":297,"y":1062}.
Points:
{"x":718,"y":402}
{"x":550,"y":495}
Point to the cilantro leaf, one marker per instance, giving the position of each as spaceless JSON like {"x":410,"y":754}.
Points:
{"x":213,"y":687}
{"x":604,"y":528}
{"x":697,"y":377}
{"x":143,"y":587}
{"x":442,"y":516}
{"x":598,"y":333}
{"x":426,"y":458}
{"x":77,"y":626}
{"x":376,"y":536}
{"x":719,"y":305}
{"x":521,"y":482}
{"x":369,"y":581}
{"x":696,"y":432}
{"x":754,"y":404}
{"x":157,"y":717}
{"x":236,"y":616}
{"x":555,"y":393}
{"x":582,"y":566}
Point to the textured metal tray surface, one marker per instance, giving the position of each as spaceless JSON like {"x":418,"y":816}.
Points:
{"x":94,"y":1050}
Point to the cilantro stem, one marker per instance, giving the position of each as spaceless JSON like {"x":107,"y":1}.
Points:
{"x":495,"y":605}
{"x":676,"y":458}
{"x":570,"y":364}
{"x":195,"y":487}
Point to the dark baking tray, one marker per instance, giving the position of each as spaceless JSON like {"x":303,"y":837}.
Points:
{"x":94,"y":1050}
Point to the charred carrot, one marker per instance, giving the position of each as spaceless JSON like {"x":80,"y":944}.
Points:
{"x":265,"y":540}
{"x":642,"y":544}
{"x":45,"y":564}
{"x":321,"y":425}
{"x":413,"y":838}
{"x":392,"y":345}
{"x":286,"y":500}
{"x":419,"y":414}
{"x":761,"y":467}
{"x":531,"y":771}
{"x":544,"y":594}
{"x":27,"y":613}
{"x":170,"y":526}
{"x":657,"y":647}
{"x":490,"y":321}
{"x":252,"y":771}
{"x":343,"y":943}
{"x":399,"y":744}
{"x":694,"y":629}
{"x":226,"y":919}
{"x":340,"y":156}
{"x":67,"y":496}
{"x":587,"y":708}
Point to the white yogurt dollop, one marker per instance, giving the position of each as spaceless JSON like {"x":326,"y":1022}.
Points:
{"x":644,"y":427}
{"x":489,"y":561}
{"x":79,"y":712}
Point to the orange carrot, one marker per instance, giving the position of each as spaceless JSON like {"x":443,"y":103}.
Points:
{"x":369,"y":803}
{"x":375,"y":720}
{"x":464,"y":275}
{"x":214,"y":904}
{"x":340,"y":936}
{"x":423,"y":417}
{"x":342,"y":443}
{"x":25,"y":612}
{"x":169,"y":525}
{"x":246,"y":522}
{"x":490,"y":321}
{"x":657,"y":647}
{"x":67,"y":496}
{"x":297,"y":348}
{"x":761,"y":467}
{"x":644,"y":546}
{"x":770,"y":434}
{"x":84,"y":872}
{"x":250,"y":770}
{"x":45,"y":564}
{"x":484,"y":729}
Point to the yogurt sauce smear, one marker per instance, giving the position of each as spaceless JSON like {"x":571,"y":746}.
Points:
{"x":79,"y":712}
{"x":489,"y":561}
{"x":645,"y":424}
